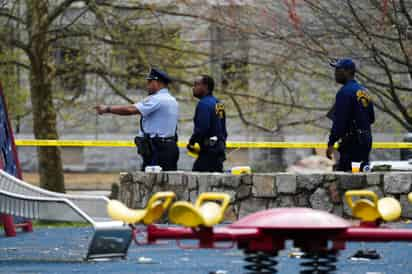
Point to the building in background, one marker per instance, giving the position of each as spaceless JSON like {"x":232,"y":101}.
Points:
{"x":239,"y":43}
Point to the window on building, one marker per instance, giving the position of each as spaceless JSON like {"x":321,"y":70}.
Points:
{"x":133,"y":59}
{"x":72,"y":80}
{"x":234,"y":72}
{"x":229,"y":52}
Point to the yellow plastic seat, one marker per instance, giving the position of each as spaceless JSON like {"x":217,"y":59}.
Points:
{"x":410,"y":197}
{"x":388,"y":209}
{"x":154,"y":210}
{"x":205,"y":212}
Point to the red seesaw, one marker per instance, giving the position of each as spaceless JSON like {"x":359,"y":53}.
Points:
{"x":319,"y":235}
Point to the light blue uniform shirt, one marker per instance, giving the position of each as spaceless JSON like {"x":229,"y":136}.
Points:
{"x":160,"y":112}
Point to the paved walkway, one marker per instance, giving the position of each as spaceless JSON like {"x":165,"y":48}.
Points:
{"x":82,"y":183}
{"x":81,"y":180}
{"x":59,"y":250}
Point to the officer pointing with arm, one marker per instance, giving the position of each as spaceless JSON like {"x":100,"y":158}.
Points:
{"x":209,"y":127}
{"x":352,"y":117}
{"x":157,"y":140}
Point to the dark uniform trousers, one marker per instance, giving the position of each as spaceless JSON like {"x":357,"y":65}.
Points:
{"x":165,"y":153}
{"x":352,"y":117}
{"x":211,"y":158}
{"x":354,"y":148}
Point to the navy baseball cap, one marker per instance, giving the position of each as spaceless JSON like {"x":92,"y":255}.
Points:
{"x":157,"y":74}
{"x":345,"y":63}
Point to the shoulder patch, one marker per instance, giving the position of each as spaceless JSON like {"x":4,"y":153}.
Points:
{"x":363,"y":98}
{"x":220,"y":110}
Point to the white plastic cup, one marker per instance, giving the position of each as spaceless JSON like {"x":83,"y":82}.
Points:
{"x":356,"y":167}
{"x":155,"y":169}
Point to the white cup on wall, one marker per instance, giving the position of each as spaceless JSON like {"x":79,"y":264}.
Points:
{"x":155,"y":169}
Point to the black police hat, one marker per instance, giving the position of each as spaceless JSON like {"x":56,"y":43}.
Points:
{"x":345,"y":63}
{"x":157,"y":74}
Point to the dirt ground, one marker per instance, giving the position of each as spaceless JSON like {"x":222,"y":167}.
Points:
{"x":80,"y":181}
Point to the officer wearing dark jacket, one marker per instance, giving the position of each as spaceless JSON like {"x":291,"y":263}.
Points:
{"x":209,"y":127}
{"x":156,"y":142}
{"x":352,"y":117}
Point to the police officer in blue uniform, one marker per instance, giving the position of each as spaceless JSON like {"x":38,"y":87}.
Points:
{"x":157,"y":140}
{"x":209,"y":127}
{"x":352,"y":117}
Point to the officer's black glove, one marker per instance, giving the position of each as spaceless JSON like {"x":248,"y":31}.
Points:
{"x":190,"y":147}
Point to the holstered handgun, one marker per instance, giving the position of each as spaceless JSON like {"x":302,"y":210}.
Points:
{"x":216,"y":146}
{"x":144,"y":145}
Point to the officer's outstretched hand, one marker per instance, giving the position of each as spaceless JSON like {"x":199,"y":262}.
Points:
{"x":329,"y":152}
{"x":101,"y":109}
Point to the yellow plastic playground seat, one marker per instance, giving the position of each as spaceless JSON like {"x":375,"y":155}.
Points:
{"x":206,"y":211}
{"x":387,"y":209}
{"x":154,"y":210}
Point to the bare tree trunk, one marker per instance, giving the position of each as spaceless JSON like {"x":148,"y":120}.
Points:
{"x":44,"y":113}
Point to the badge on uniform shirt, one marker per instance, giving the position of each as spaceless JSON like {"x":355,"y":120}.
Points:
{"x":220,"y":110}
{"x":363,"y":98}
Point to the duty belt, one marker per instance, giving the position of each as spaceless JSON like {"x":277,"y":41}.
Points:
{"x":361,"y":131}
{"x":164,"y":139}
{"x":358,"y":131}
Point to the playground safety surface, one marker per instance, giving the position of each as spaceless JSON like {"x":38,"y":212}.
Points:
{"x":60,"y":250}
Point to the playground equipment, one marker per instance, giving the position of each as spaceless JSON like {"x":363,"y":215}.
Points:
{"x":10,"y":163}
{"x":261,"y":235}
{"x":110,"y":238}
{"x":206,"y":212}
{"x":387,"y":209}
{"x":154,"y":210}
{"x":17,"y":198}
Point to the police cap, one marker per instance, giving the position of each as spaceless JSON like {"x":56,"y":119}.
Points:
{"x":345,"y":63}
{"x":157,"y":74}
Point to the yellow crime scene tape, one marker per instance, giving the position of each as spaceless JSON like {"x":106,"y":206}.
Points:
{"x":75,"y":143}
{"x":233,"y":145}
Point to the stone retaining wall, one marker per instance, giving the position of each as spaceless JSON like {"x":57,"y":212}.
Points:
{"x":251,"y":193}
